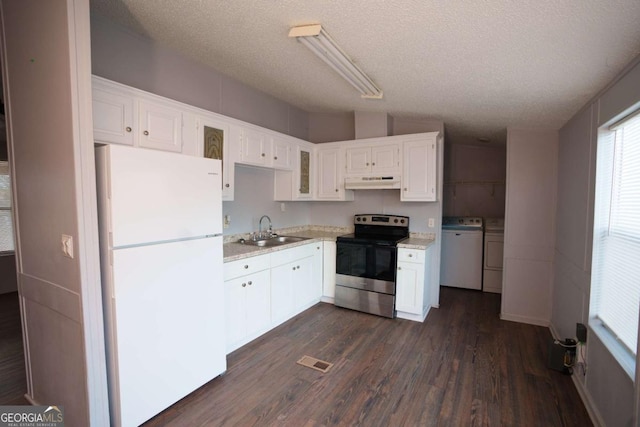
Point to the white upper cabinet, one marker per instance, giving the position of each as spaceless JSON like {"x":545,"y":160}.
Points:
{"x":381,"y":159}
{"x":281,"y":153}
{"x":113,"y":116}
{"x":419,"y":173}
{"x":255,"y":148}
{"x":330,"y":176}
{"x":121,"y":115}
{"x":161,"y":126}
{"x":296,"y":184}
{"x":214,"y":141}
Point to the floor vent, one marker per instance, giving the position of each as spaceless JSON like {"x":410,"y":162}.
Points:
{"x":313,"y":363}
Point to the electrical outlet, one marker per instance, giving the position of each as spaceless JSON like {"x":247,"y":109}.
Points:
{"x":282,"y":207}
{"x":581,"y":332}
{"x":432,"y":222}
{"x":227,"y":221}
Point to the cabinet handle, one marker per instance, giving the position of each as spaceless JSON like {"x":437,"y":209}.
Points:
{"x":246,"y":266}
{"x":263,"y":154}
{"x":399,"y":268}
{"x":128,"y":128}
{"x":367,"y":164}
{"x":405,"y":188}
{"x":275,"y":157}
{"x":226,"y":185}
{"x":336,"y":190}
{"x":317,"y":247}
{"x":250,"y":283}
{"x":146,"y":132}
{"x":373,"y":164}
{"x":294,"y":269}
{"x":244,"y":285}
{"x":298,"y":267}
{"x":410,"y":255}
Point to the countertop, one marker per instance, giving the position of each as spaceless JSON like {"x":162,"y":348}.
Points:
{"x":234,"y":251}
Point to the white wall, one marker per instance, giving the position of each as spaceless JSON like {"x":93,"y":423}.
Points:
{"x":608,"y":390}
{"x":529,"y":226}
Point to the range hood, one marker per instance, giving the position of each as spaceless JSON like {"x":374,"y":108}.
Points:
{"x":372,"y":183}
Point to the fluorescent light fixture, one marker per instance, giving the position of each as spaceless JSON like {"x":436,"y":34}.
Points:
{"x":320,"y":43}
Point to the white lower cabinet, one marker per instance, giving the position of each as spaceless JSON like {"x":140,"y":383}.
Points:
{"x":264,"y":291}
{"x":413,"y":284}
{"x":248,"y":308}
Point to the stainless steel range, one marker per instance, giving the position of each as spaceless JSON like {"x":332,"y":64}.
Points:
{"x":366,"y":264}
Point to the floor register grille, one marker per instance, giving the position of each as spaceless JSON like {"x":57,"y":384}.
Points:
{"x":313,"y":363}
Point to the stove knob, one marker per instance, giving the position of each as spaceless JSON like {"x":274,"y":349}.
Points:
{"x":402,"y":221}
{"x":395,"y":220}
{"x":364,"y":219}
{"x":358,"y":219}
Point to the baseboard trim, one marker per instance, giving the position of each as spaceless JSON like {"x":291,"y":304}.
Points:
{"x":524,"y":319}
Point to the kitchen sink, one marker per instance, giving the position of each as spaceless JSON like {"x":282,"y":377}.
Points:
{"x":273,"y":241}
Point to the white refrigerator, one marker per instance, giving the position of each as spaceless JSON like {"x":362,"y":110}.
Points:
{"x":160,"y":217}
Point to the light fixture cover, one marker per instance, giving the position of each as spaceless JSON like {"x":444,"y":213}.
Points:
{"x":320,"y":43}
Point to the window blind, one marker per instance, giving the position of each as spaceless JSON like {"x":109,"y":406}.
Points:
{"x":6,"y":224}
{"x":616,"y":252}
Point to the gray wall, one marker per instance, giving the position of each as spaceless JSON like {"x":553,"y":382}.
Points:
{"x":607,"y":386}
{"x":254,"y":198}
{"x":46,"y":67}
{"x":120,"y":55}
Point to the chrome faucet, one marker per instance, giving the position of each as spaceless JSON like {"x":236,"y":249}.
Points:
{"x":260,"y":226}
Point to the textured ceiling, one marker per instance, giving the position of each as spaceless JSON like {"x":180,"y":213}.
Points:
{"x":479,"y":66}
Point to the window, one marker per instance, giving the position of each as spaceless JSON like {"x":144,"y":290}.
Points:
{"x":615,"y":278}
{"x":6,"y":225}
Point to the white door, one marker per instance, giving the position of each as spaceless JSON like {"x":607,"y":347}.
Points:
{"x":328,"y":173}
{"x":157,"y":196}
{"x":358,"y":160}
{"x":169,"y":323}
{"x":385,"y":159}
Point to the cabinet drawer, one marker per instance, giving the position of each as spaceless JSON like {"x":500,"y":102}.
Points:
{"x":246,"y":266}
{"x":410,"y":255}
{"x":298,"y":252}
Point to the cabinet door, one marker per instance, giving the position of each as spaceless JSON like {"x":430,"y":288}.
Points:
{"x":385,"y":159}
{"x":282,"y":301}
{"x":358,"y":161}
{"x":160,"y":127}
{"x":235,"y":309}
{"x":214,"y":138}
{"x":255,"y":148}
{"x":113,"y":117}
{"x":303,"y":175}
{"x":258,"y":302}
{"x":282,"y":158}
{"x":419,"y":171}
{"x":304,"y":288}
{"x":328,"y":186}
{"x":409,"y":287}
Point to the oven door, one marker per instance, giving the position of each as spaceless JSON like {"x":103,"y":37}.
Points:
{"x":366,"y":266}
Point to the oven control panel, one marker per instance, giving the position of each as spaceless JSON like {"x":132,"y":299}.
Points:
{"x":382,"y":220}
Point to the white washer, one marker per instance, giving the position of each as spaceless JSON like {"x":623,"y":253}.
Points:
{"x":461,"y":260}
{"x":493,"y":254}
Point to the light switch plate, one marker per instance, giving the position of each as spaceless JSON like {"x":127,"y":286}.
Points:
{"x":67,"y":245}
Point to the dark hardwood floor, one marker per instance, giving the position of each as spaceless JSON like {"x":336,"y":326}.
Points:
{"x":462,"y":367}
{"x":13,"y":383}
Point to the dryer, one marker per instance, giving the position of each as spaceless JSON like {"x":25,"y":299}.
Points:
{"x":493,"y":254}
